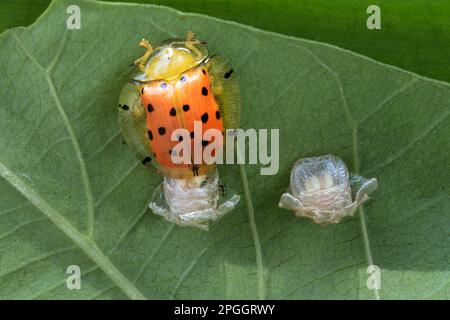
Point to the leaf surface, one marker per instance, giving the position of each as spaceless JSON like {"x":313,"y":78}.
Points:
{"x":73,"y":194}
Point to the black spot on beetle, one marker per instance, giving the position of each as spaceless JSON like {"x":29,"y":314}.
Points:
{"x":218,"y":115}
{"x":150,"y":108}
{"x":186,"y":107}
{"x":150,"y":134}
{"x":222,"y":189}
{"x":204,"y":91}
{"x":228,"y":74}
{"x":161,"y":131}
{"x":204,"y":71}
{"x":173,"y":112}
{"x":205,"y":117}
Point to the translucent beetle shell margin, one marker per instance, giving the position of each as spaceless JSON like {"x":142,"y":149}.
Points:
{"x":321,"y":189}
{"x":173,"y":85}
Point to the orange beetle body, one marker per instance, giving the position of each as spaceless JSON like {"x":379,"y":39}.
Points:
{"x":170,"y":105}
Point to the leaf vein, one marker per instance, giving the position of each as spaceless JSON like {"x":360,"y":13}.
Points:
{"x":36,"y":259}
{"x":411,"y":144}
{"x":352,"y":123}
{"x":388,"y":99}
{"x":70,"y":130}
{"x":155,"y":251}
{"x":187,"y":271}
{"x":84,"y":243}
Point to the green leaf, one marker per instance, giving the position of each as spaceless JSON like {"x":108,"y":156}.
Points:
{"x":73,"y":194}
{"x":14,"y":13}
{"x":414,"y":35}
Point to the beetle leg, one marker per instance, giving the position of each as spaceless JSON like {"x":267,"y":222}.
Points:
{"x":190,"y":36}
{"x":141,"y":61}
